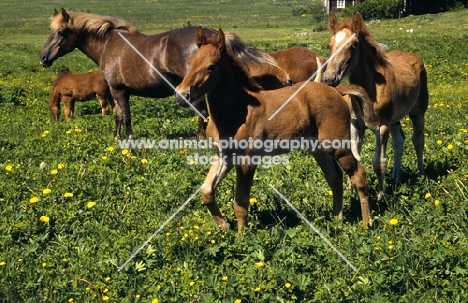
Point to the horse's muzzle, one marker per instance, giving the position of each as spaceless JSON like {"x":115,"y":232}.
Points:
{"x":182,"y":98}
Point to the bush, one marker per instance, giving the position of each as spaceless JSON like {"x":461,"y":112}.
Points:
{"x":376,"y":9}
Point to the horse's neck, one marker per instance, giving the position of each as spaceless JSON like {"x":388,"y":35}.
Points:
{"x":93,"y":46}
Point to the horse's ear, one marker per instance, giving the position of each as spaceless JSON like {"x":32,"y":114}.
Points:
{"x":221,"y":40}
{"x":66,"y":16}
{"x":332,"y":22}
{"x":358,"y":22}
{"x":55,"y":12}
{"x":200,"y":37}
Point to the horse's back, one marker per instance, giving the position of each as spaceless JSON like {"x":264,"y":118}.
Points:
{"x":299,"y":62}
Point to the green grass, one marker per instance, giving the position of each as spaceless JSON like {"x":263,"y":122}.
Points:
{"x":422,"y":258}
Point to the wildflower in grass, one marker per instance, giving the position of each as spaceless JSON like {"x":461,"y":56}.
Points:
{"x":393,"y":221}
{"x":2,"y":263}
{"x":168,"y":234}
{"x":78,"y":130}
{"x":192,"y":162}
{"x":105,"y":290}
{"x":110,"y":149}
{"x":104,"y":158}
{"x":44,"y":219}
{"x":107,"y":279}
{"x":54,"y":172}
{"x":144,"y":161}
{"x":137,"y":296}
{"x":439,"y":142}
{"x":46,"y":191}
{"x":60,"y":166}
{"x":330,"y":193}
{"x":213,"y":241}
{"x":436,"y":202}
{"x":70,"y":300}
{"x":68,"y":132}
{"x":34,"y":200}
{"x":125,"y":152}
{"x":377,"y":238}
{"x":253,"y":200}
{"x":155,"y":301}
{"x":390,"y":247}
{"x":44,"y":264}
{"x":42,"y":165}
{"x":257,"y":289}
{"x":90,"y":204}
{"x":224,"y":278}
{"x":105,"y":298}
{"x":260,"y":264}
{"x":427,"y":196}
{"x":196,"y":238}
{"x":9,"y":168}
{"x":450,"y":146}
{"x":68,"y":195}
{"x":64,"y":260}
{"x":287,"y":285}
{"x":238,"y":301}
{"x":191,"y":283}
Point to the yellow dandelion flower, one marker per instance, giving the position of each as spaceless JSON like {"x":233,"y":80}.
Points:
{"x":330,"y":193}
{"x":90,"y":204}
{"x":393,"y":221}
{"x":257,"y":289}
{"x":137,"y":296}
{"x":68,"y":195}
{"x":450,"y":146}
{"x":155,"y":301}
{"x":46,"y":132}
{"x":54,"y":172}
{"x":436,"y":202}
{"x":253,"y":200}
{"x":439,"y":142}
{"x":125,"y":152}
{"x":213,"y":241}
{"x":104,"y":158}
{"x":70,"y":300}
{"x":110,"y":149}
{"x":44,"y":219}
{"x":260,"y":264}
{"x":144,"y":161}
{"x":60,"y":166}
{"x":46,"y":191}
{"x":105,"y":290}
{"x":107,"y":279}
{"x":44,"y":264}
{"x":34,"y":200}
{"x":2,"y":263}
{"x":68,"y":132}
{"x":287,"y":285}
{"x":377,"y":238}
{"x":390,"y":247}
{"x":9,"y":167}
{"x":238,"y":301}
{"x":427,"y":196}
{"x":224,"y":278}
{"x":192,"y":283}
{"x":192,"y":162}
{"x":105,"y":298}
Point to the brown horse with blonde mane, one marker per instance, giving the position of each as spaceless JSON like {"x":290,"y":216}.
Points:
{"x":117,"y":47}
{"x":396,"y":81}
{"x":240,"y":109}
{"x":70,"y":87}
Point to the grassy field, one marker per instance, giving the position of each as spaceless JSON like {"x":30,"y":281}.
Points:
{"x":74,"y":206}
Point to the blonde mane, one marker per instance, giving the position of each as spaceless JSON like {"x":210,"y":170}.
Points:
{"x":90,"y":23}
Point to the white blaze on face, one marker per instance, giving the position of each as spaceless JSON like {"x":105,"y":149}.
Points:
{"x":339,"y":37}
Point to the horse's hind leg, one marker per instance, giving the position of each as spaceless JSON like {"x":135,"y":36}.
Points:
{"x":334,"y":177}
{"x":244,"y":179}
{"x":418,"y":139}
{"x":104,"y":105}
{"x":69,"y":104}
{"x":121,"y":98}
{"x":379,"y":161}
{"x":398,"y":141}
{"x":357,"y":174}
{"x":218,"y":170}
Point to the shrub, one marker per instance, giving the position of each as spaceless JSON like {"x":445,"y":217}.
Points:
{"x":375,"y":9}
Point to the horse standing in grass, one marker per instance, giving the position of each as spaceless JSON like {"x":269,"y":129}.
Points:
{"x":70,"y":87}
{"x":117,"y":47}
{"x":396,"y":81}
{"x":240,"y":109}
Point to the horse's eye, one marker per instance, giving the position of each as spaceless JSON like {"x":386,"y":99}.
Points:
{"x":212,"y":67}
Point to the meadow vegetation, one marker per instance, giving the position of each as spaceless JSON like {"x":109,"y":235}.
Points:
{"x":74,"y":206}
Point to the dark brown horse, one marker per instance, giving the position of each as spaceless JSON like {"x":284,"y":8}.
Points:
{"x":70,"y":87}
{"x":299,"y":62}
{"x":396,"y":81}
{"x":240,"y":109}
{"x":132,"y":63}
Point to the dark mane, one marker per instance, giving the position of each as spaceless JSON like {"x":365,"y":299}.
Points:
{"x":90,"y":23}
{"x":365,"y":36}
{"x":242,"y":56}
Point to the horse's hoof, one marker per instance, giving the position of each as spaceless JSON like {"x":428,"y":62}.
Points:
{"x":224,"y":225}
{"x":380,"y":196}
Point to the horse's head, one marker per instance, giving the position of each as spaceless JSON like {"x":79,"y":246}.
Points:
{"x":62,"y":39}
{"x":204,"y":69}
{"x":343,"y":48}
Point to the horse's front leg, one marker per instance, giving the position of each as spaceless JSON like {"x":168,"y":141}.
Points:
{"x":122,"y":112}
{"x":244,"y":179}
{"x":218,"y":170}
{"x":379,"y":161}
{"x":398,"y":141}
{"x":104,"y":105}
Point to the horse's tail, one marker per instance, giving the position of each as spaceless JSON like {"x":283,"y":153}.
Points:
{"x":365,"y":106}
